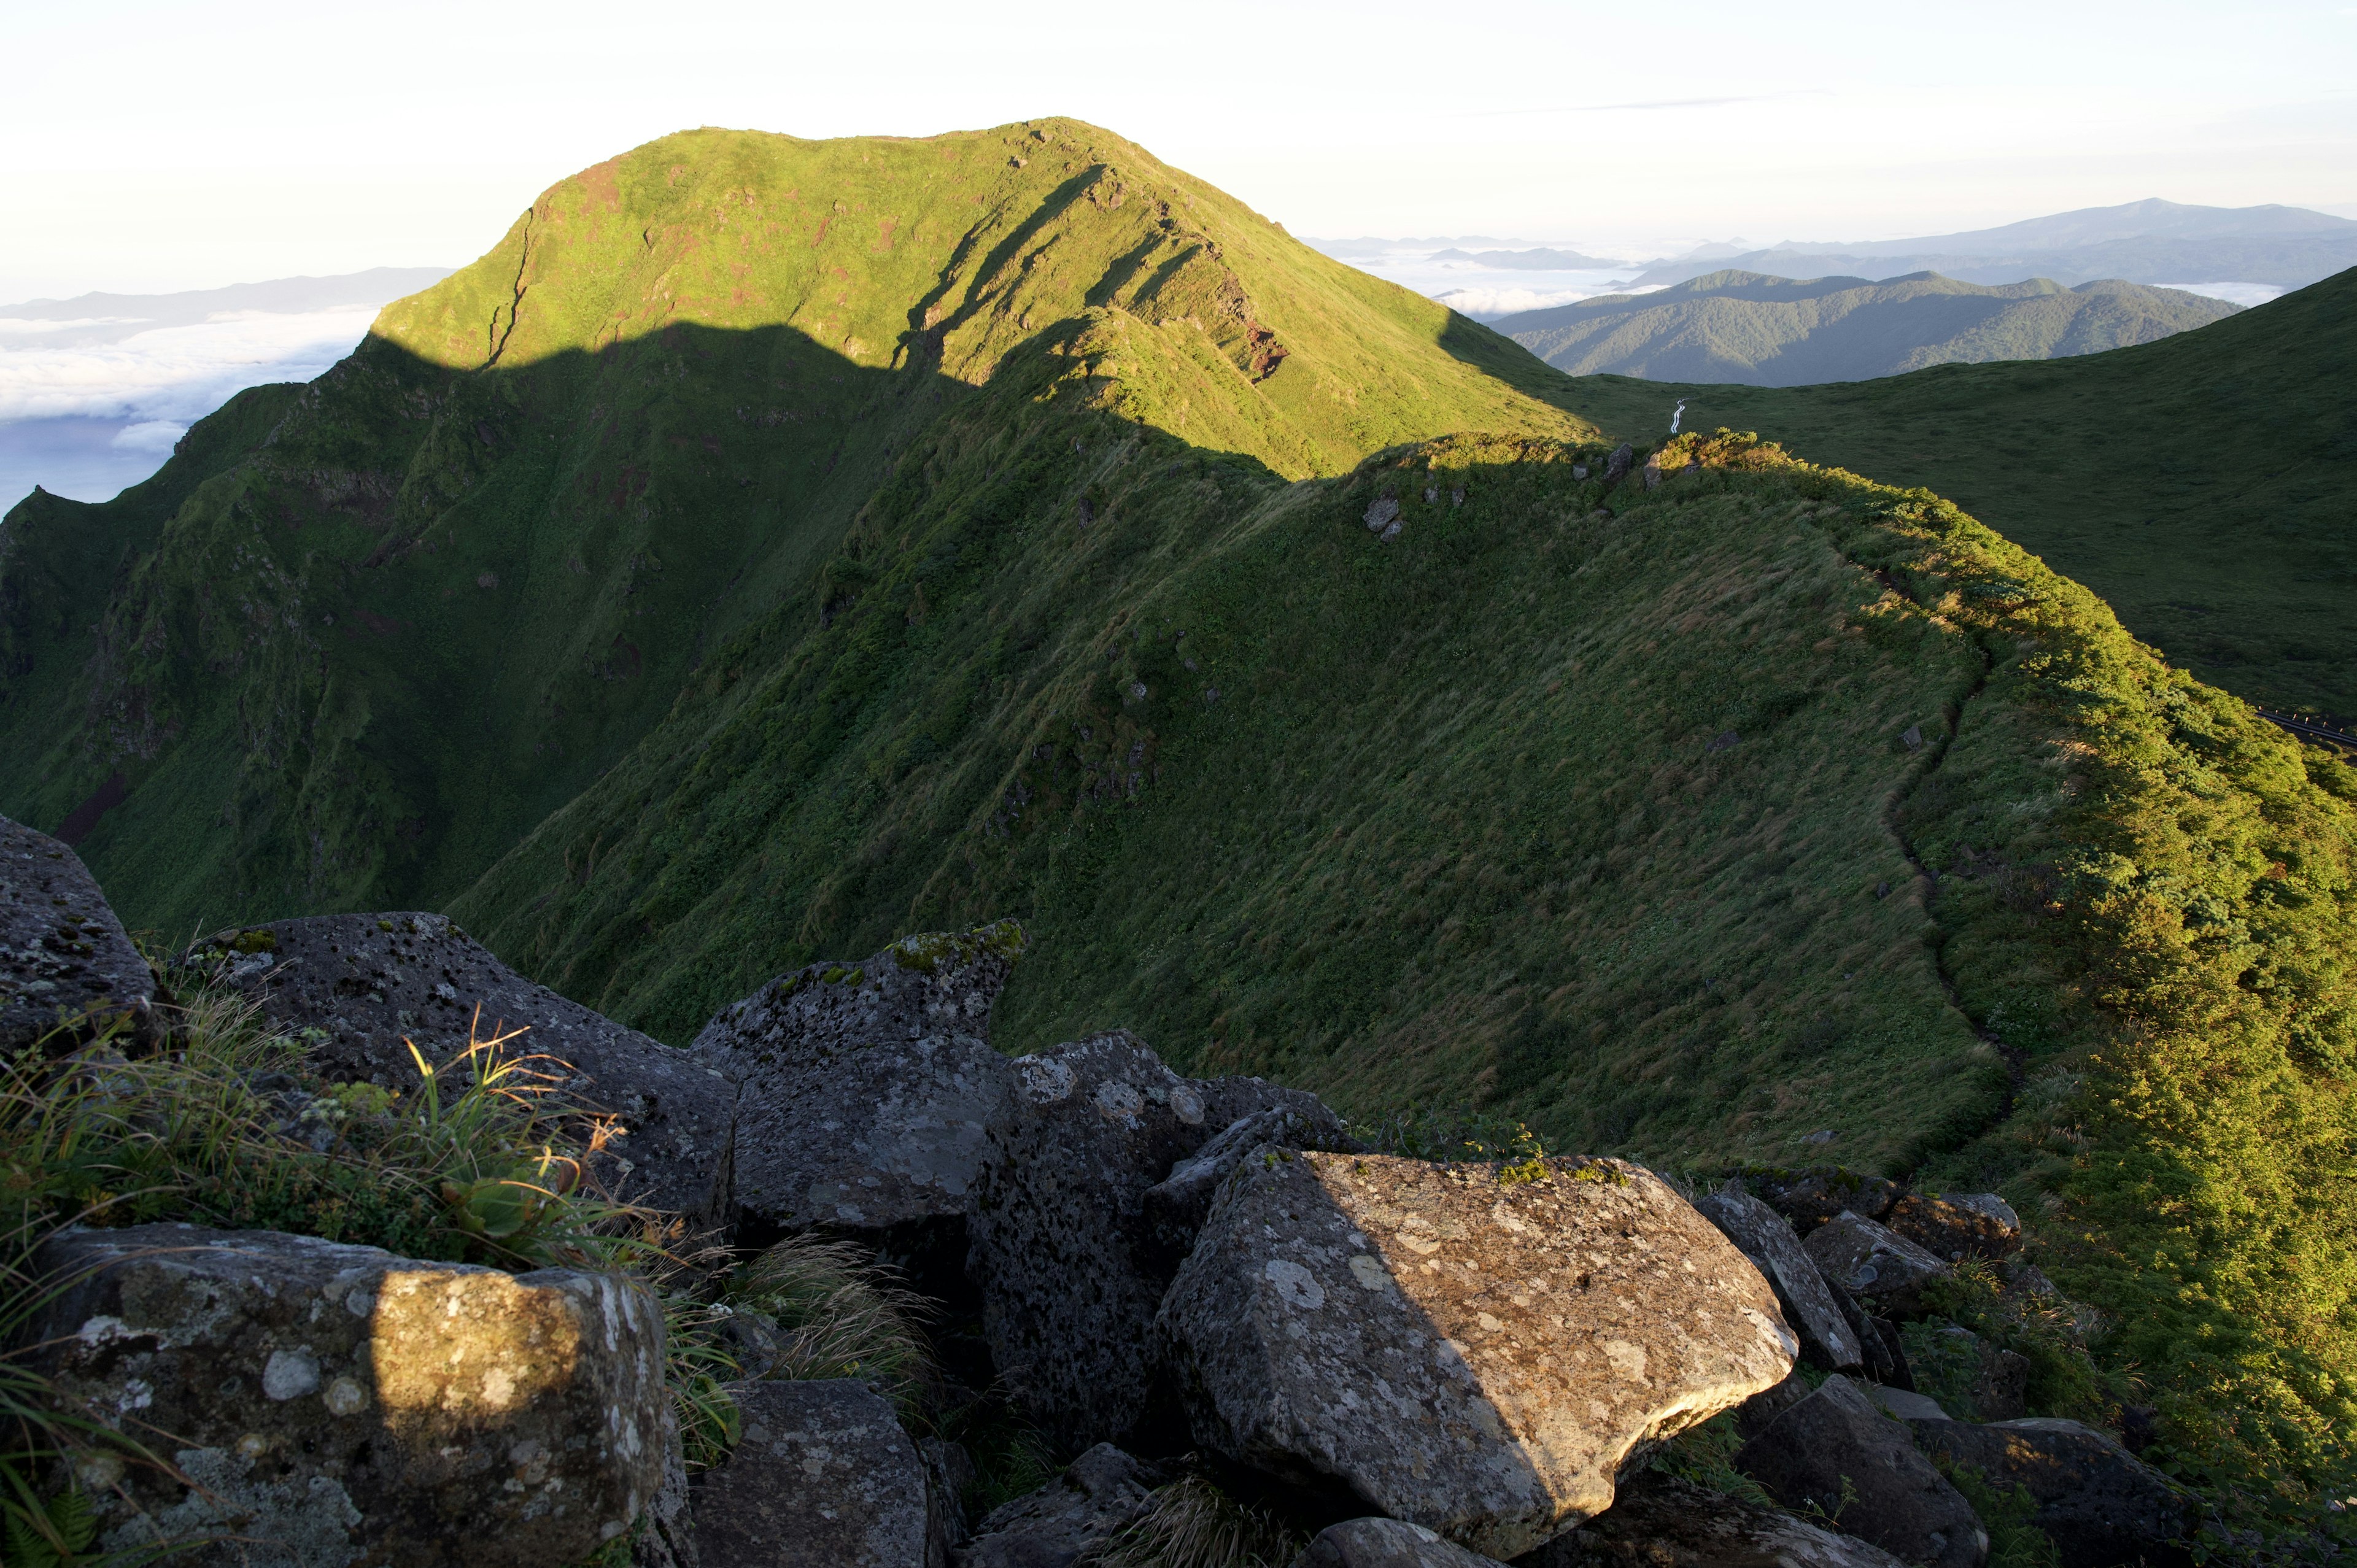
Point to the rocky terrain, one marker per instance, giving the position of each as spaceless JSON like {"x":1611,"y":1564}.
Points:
{"x":1207,"y":1305}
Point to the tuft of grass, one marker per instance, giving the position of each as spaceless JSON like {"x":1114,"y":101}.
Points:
{"x":840,"y":1315}
{"x":1192,"y":1523}
{"x":1705,"y":1454}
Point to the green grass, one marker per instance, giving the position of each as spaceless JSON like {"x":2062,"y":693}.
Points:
{"x":2202,"y":484}
{"x":1766,"y":331}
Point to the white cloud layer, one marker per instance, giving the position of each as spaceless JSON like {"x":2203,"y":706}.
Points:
{"x":2242,"y":294}
{"x":1488,"y":304}
{"x":168,"y":375}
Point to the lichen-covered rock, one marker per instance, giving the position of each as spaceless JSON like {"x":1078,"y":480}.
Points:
{"x":822,"y":1476}
{"x":1177,"y":1205}
{"x":1837,"y":1454}
{"x":1386,"y":1543}
{"x":1062,"y":1250}
{"x":1767,"y":1239}
{"x":867,"y":1090}
{"x":1958,"y":1225}
{"x":1882,"y":1268}
{"x":950,"y":1474}
{"x":66,"y":966}
{"x":1477,"y":1348}
{"x":666,"y":1534}
{"x":1099,"y":1494}
{"x":347,"y":1405}
{"x":2099,"y":1504}
{"x":1662,"y":1521}
{"x":369,"y":982}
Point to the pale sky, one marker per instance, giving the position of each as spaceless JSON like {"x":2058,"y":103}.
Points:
{"x":158,"y":147}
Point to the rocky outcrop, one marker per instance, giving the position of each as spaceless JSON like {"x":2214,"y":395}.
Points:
{"x":1986,"y":1382}
{"x":67,"y":970}
{"x":344,"y":1404}
{"x":1958,"y":1225}
{"x":2100,"y":1505}
{"x":1766,"y":1238}
{"x":1062,"y":1251}
{"x":1477,"y":1348}
{"x":370,"y":983}
{"x":1838,"y":1455}
{"x":1386,"y":1543}
{"x":869,"y":1089}
{"x":1810,"y":1198}
{"x":1886,"y":1272}
{"x":1177,"y":1205}
{"x":822,"y":1476}
{"x":1661,"y":1521}
{"x":1097,"y":1496}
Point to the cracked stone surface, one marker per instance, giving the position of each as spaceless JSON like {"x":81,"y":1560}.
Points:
{"x":1883,"y":1270}
{"x":1836,"y":1453}
{"x":349,"y":1405}
{"x":1958,"y":1225}
{"x":64,"y":958}
{"x":1767,"y":1239}
{"x":1387,"y":1543}
{"x":867,"y":1090}
{"x":1471,"y":1351}
{"x":1097,"y":1494}
{"x":822,"y":1476}
{"x":1663,"y":1522}
{"x":1062,"y":1248}
{"x":2101,"y":1504}
{"x":369,"y":982}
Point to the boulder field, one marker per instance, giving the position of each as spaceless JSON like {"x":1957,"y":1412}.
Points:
{"x":1167,"y":1281}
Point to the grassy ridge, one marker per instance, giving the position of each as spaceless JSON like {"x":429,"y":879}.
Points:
{"x":1767,"y":331}
{"x":2202,"y":484}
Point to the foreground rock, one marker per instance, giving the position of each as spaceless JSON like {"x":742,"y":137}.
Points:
{"x":1063,"y":1251}
{"x":822,"y":1476}
{"x":1766,"y":1238}
{"x":1834,"y":1452}
{"x":1886,"y":1272}
{"x":1097,"y":1496}
{"x":1177,"y":1205}
{"x":67,"y":970}
{"x":345,"y":1405}
{"x":1468,"y":1349}
{"x":1386,"y":1543}
{"x":369,"y":982}
{"x":2099,"y":1504}
{"x":1958,"y":1225}
{"x":1662,"y":1521}
{"x":868,"y":1088}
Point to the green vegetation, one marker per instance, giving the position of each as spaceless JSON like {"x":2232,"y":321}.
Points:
{"x":2202,"y":484}
{"x":841,"y":540}
{"x":1766,"y":331}
{"x":1192,"y":1523}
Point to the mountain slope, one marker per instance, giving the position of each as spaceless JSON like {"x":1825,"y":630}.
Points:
{"x":474,"y":563}
{"x":2202,"y":484}
{"x":1764,"y":331}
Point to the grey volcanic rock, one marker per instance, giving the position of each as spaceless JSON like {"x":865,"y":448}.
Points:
{"x":1470,"y":1350}
{"x":349,"y":1405}
{"x":1386,"y":1543}
{"x":821,"y":1477}
{"x":369,"y":982}
{"x":1957,"y":1225}
{"x":1886,"y":1272}
{"x":668,"y":1537}
{"x":1662,"y":1521}
{"x":1988,"y":1383}
{"x":1062,"y":1250}
{"x":949,"y":1473}
{"x":1835,"y":1441}
{"x":867,"y":1090}
{"x":1752,"y":1416}
{"x":1767,"y":1239}
{"x":1810,"y":1198}
{"x":1177,"y":1205}
{"x":64,"y":959}
{"x":2099,"y":1504}
{"x":1097,"y":1494}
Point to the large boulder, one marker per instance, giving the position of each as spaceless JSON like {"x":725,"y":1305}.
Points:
{"x":1767,"y":1239}
{"x":822,"y":1476}
{"x":1958,"y":1225}
{"x":372,"y":984}
{"x":1177,"y":1205}
{"x":1063,"y":1251}
{"x":2098,"y":1503}
{"x":1386,"y":1543}
{"x":869,"y":1089}
{"x":1481,"y":1350}
{"x":1664,"y":1521}
{"x":1100,"y":1493}
{"x":1883,"y":1270}
{"x":1835,"y":1453}
{"x":342,"y":1404}
{"x":67,"y":970}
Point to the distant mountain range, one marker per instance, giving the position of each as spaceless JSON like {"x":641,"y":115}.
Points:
{"x":1739,"y":327}
{"x":2151,"y":241}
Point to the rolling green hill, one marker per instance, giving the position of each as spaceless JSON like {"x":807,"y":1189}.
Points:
{"x":2203,"y":485}
{"x":773,"y":546}
{"x":1764,"y":331}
